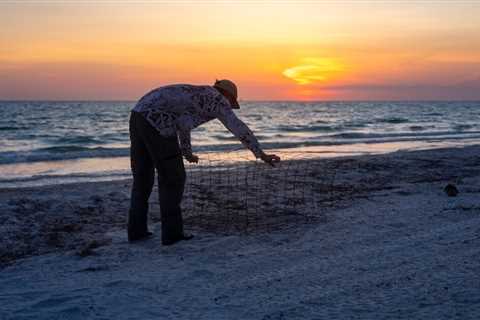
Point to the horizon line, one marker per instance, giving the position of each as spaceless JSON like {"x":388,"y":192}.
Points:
{"x":253,"y":100}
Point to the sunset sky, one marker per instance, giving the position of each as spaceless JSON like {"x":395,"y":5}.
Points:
{"x":273,"y":50}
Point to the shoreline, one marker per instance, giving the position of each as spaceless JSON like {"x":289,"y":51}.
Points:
{"x":37,"y":174}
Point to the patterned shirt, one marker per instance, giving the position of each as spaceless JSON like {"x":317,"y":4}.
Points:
{"x":177,"y":109}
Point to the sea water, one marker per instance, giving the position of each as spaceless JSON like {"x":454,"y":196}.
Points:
{"x":53,"y":142}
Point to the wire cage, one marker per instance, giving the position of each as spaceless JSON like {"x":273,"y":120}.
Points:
{"x":231,"y":192}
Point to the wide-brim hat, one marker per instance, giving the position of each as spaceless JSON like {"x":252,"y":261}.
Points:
{"x":229,"y":87}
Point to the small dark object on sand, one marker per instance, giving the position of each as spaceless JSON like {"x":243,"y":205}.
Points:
{"x":87,"y":248}
{"x":85,"y":251}
{"x":451,"y":190}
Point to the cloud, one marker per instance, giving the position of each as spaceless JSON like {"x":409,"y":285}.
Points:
{"x":73,"y":81}
{"x":313,"y":70}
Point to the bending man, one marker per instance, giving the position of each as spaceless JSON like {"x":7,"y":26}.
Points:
{"x":160,"y":125}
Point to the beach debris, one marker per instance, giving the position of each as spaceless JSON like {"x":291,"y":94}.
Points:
{"x":451,"y":190}
{"x":87,"y":249}
{"x":61,"y":226}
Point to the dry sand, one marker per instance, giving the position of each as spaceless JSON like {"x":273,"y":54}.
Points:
{"x":387,"y":243}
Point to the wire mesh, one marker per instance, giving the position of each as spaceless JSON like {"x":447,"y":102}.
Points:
{"x":230,"y":192}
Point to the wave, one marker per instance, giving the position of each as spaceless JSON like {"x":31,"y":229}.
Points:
{"x":61,"y":153}
{"x":419,"y":128}
{"x":308,"y":128}
{"x":362,"y":135}
{"x":393,"y":120}
{"x":78,"y":140}
{"x":233,"y":138}
{"x":65,"y":149}
{"x":117,"y":173}
{"x":12,"y":128}
{"x":462,"y":127}
{"x":72,"y":152}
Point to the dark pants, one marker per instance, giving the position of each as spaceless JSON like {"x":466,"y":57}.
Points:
{"x":149,"y":151}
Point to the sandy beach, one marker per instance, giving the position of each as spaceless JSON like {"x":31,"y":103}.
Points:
{"x":384,"y":242}
{"x":331,"y":153}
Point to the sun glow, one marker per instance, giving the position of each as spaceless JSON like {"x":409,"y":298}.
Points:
{"x":273,"y":50}
{"x":313,"y":70}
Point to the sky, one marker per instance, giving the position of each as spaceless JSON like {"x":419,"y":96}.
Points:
{"x":273,"y":50}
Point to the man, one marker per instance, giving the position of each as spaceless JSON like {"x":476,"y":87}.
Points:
{"x":160,"y":125}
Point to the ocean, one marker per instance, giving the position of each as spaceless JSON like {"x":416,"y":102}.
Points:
{"x":54,"y":142}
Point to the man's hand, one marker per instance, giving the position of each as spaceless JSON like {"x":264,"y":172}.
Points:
{"x":271,"y":159}
{"x":191,"y":158}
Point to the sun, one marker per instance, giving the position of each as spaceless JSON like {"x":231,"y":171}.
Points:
{"x":313,"y":70}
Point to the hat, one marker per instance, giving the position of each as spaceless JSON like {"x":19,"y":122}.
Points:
{"x":229,"y":87}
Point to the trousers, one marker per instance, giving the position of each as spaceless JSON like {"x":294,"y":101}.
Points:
{"x":151,"y":151}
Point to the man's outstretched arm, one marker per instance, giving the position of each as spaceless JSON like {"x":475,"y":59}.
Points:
{"x":244,"y":134}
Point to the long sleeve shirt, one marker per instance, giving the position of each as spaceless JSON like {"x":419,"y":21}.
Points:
{"x":177,"y":109}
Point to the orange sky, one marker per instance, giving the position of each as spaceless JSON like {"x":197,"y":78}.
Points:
{"x":274,"y":50}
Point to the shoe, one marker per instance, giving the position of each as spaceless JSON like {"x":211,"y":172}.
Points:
{"x":140,"y":237}
{"x":184,"y":236}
